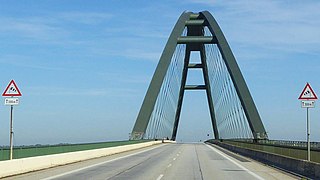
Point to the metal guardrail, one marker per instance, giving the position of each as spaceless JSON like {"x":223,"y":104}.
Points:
{"x":293,"y":149}
{"x":281,"y":143}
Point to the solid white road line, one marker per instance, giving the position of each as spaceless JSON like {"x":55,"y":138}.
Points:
{"x":234,"y":162}
{"x":98,"y":164}
{"x":169,"y":165}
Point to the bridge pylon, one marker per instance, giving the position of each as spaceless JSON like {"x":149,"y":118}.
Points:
{"x":232,"y":110}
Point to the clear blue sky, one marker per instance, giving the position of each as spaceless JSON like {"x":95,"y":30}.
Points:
{"x":83,"y":67}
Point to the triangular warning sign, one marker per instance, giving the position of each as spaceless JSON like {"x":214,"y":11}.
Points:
{"x":308,"y":93}
{"x":12,"y":90}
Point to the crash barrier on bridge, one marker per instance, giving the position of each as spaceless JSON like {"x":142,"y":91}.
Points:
{"x":294,"y":165}
{"x":294,"y":149}
{"x":24,"y":165}
{"x":40,"y":150}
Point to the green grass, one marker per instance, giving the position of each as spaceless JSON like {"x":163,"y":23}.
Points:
{"x":32,"y":151}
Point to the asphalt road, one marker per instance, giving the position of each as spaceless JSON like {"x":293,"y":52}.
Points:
{"x":170,"y":161}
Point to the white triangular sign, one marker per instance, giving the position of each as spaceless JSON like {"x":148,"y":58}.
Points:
{"x":12,"y":90}
{"x":308,"y":93}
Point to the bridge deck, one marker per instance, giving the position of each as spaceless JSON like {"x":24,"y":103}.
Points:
{"x":172,"y":161}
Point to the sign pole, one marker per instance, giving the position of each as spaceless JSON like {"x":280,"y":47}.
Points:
{"x":11,"y":133}
{"x":308,"y":98}
{"x":308,"y":134}
{"x":11,"y":90}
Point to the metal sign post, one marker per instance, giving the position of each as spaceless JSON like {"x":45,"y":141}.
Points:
{"x":308,"y":96}
{"x":11,"y":133}
{"x":308,"y":134}
{"x":11,"y":90}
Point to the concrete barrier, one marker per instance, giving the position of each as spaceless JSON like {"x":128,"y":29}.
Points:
{"x":301,"y":167}
{"x":24,"y":165}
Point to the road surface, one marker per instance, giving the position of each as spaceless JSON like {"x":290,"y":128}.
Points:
{"x":164,"y":162}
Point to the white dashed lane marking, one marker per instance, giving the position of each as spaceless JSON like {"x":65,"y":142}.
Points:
{"x":161,"y":175}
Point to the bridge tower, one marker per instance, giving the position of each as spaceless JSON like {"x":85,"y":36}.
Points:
{"x":232,"y":110}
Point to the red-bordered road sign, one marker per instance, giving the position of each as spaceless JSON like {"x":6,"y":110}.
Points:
{"x":12,"y":90}
{"x":308,"y":93}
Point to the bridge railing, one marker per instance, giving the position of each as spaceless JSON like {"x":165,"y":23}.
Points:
{"x":293,"y":149}
{"x":281,"y":143}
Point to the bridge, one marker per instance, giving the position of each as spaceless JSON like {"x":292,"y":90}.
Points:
{"x":240,"y":139}
{"x":233,"y":112}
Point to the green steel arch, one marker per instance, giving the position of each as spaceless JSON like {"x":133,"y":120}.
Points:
{"x":195,"y":40}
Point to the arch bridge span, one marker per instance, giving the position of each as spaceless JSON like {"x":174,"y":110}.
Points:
{"x":232,"y":110}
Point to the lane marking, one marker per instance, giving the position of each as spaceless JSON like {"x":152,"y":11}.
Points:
{"x":177,"y":154}
{"x":174,"y":159}
{"x":98,"y":164}
{"x":169,"y":165}
{"x":234,"y":162}
{"x":161,"y":175}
